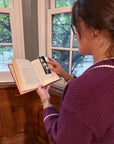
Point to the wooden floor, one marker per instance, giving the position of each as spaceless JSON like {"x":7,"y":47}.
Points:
{"x":21,"y":116}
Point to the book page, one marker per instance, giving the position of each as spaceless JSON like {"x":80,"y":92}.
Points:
{"x":43,"y":72}
{"x":25,"y":73}
{"x":13,"y":75}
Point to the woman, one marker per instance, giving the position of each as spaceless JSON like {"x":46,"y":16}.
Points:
{"x":87,"y":106}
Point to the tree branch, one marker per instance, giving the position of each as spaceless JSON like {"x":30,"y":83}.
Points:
{"x":4,"y":3}
{"x":5,"y":26}
{"x":5,"y":40}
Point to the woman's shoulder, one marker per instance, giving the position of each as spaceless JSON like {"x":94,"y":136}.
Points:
{"x":89,"y":86}
{"x":91,"y":97}
{"x":96,"y":73}
{"x":74,"y":91}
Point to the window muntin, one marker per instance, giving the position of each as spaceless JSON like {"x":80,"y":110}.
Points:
{"x":59,"y":20}
{"x":14,"y":45}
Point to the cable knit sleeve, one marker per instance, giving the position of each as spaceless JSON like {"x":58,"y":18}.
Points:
{"x":65,"y":127}
{"x":86,"y":112}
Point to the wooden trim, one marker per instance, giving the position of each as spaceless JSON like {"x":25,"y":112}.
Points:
{"x":5,"y":77}
{"x":7,"y":85}
{"x":18,"y":32}
{"x":6,"y":10}
{"x":49,"y":26}
{"x":13,"y":85}
{"x":42,"y":27}
{"x":52,"y":4}
{"x":6,"y":44}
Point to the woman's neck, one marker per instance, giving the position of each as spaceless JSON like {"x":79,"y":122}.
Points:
{"x":104,"y":48}
{"x":101,"y":59}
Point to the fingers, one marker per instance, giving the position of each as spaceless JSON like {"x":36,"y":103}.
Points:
{"x":54,"y":64}
{"x":48,"y":62}
{"x":43,"y":92}
{"x":40,"y":87}
{"x":52,"y":60}
{"x":48,"y":86}
{"x":53,"y":69}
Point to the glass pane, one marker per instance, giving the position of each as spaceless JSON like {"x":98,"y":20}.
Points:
{"x":62,"y":57}
{"x":80,"y":63}
{"x":63,"y":3}
{"x":5,"y":29}
{"x":4,"y":3}
{"x":75,"y":44}
{"x":61,"y":30}
{"x":6,"y":56}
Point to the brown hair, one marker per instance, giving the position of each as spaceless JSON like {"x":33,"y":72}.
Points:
{"x":96,"y":13}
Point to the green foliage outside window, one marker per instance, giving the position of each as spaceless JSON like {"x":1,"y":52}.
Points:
{"x":62,"y":56}
{"x":5,"y":29}
{"x":61,"y":30}
{"x":6,"y":56}
{"x":4,"y":3}
{"x":63,"y":3}
{"x":6,"y":52}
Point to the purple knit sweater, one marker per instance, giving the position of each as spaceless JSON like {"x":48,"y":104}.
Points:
{"x":87,"y":109}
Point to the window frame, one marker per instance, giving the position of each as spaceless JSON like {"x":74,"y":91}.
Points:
{"x":45,"y":40}
{"x":53,"y":11}
{"x":56,"y":11}
{"x":16,"y":20}
{"x":45,"y":9}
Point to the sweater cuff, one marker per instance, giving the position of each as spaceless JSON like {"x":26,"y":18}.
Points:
{"x":49,"y":111}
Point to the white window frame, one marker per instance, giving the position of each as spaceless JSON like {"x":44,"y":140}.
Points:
{"x":46,"y":8}
{"x":45,"y":27}
{"x":43,"y":6}
{"x":49,"y":41}
{"x":60,"y":84}
{"x":16,"y":19}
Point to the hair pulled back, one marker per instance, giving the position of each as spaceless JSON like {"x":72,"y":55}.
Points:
{"x":96,"y":13}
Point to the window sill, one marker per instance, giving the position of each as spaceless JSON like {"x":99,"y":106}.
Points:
{"x":5,"y":85}
{"x":59,"y":84}
{"x":53,"y":89}
{"x":6,"y":80}
{"x":5,"y":77}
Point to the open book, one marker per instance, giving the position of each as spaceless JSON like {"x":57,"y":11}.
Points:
{"x":28,"y":75}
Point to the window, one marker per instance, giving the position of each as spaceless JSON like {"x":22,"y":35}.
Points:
{"x":63,"y":3}
{"x":11,"y":35}
{"x":61,"y":44}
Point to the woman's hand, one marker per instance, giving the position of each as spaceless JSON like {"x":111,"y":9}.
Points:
{"x":56,"y":67}
{"x":44,"y":95}
{"x":43,"y":92}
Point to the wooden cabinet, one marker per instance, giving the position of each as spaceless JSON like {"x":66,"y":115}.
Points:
{"x":21,"y":119}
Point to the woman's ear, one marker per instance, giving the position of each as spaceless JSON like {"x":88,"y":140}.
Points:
{"x":94,"y":33}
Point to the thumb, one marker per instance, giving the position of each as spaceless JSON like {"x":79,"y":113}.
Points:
{"x":47,"y":87}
